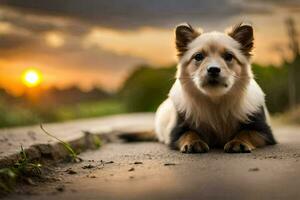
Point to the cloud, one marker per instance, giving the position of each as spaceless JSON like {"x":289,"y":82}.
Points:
{"x":136,"y":13}
{"x":53,"y":44}
{"x":54,"y":39}
{"x":144,"y":43}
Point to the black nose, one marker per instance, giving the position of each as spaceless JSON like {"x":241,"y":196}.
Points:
{"x":213,"y":71}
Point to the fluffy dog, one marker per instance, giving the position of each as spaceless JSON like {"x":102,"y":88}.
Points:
{"x":215,"y":101}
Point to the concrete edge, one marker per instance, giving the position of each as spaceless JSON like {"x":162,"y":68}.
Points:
{"x":56,"y":151}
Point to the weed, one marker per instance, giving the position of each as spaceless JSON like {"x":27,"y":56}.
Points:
{"x":97,"y":141}
{"x":22,"y":168}
{"x":7,"y":180}
{"x":72,"y":153}
{"x":27,"y":168}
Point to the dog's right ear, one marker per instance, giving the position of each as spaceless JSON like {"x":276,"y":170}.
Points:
{"x":184,"y":35}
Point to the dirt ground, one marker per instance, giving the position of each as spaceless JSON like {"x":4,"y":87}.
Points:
{"x":152,"y":171}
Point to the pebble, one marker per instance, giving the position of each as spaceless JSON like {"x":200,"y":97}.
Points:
{"x":131,"y":169}
{"x":255,"y":169}
{"x":60,"y":188}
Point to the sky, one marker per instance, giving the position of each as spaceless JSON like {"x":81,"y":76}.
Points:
{"x":98,"y":43}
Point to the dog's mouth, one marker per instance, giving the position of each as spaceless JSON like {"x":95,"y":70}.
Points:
{"x":215,"y":82}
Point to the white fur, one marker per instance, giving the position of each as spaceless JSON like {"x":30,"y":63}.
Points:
{"x":165,"y":120}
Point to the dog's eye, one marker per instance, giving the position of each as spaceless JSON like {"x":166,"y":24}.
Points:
{"x":199,"y":57}
{"x":228,"y":57}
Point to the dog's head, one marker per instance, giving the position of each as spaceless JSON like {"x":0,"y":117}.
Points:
{"x":214,"y":62}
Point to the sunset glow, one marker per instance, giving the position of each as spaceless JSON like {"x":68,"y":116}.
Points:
{"x":31,"y":78}
{"x":87,"y":49}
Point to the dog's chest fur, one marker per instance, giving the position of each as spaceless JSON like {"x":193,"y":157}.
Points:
{"x":216,"y":126}
{"x":219,"y":121}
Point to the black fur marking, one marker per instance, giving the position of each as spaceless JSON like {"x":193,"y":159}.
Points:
{"x":257,"y":122}
{"x":244,"y":35}
{"x":181,"y":127}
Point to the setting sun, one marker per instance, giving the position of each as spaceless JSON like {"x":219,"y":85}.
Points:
{"x":31,"y":78}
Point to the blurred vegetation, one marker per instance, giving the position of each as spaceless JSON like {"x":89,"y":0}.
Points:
{"x":143,"y":91}
{"x":18,"y":111}
{"x":146,"y":88}
{"x":274,"y":82}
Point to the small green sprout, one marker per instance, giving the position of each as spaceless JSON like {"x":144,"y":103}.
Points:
{"x":22,"y":168}
{"x":67,"y":146}
{"x":97,"y":141}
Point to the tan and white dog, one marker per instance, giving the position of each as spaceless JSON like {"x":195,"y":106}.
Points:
{"x":215,"y":101}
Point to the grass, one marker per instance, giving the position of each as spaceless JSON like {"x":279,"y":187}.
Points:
{"x":17,"y":115}
{"x":22,"y":168}
{"x":73,"y":155}
{"x":7,"y":180}
{"x":89,"y":109}
{"x":25,"y":168}
{"x":97,"y":141}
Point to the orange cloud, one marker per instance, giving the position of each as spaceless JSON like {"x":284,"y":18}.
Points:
{"x":154,"y":45}
{"x":54,"y":39}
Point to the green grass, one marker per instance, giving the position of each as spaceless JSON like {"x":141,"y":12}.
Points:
{"x":22,"y":168}
{"x":73,"y":155}
{"x":18,"y":116}
{"x":15,"y":115}
{"x":89,"y":109}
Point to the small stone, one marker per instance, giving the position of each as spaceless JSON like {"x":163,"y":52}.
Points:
{"x":71,"y":171}
{"x":89,"y":166}
{"x":169,"y":164}
{"x":255,"y":169}
{"x":109,"y":162}
{"x":138,"y":163}
{"x":60,"y":188}
{"x":131,"y":169}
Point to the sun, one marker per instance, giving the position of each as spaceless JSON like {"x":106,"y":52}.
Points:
{"x":31,"y":77}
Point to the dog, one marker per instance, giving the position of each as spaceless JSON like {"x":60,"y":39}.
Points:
{"x":215,"y":101}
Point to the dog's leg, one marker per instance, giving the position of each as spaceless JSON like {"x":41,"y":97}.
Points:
{"x":245,"y":142}
{"x":190,"y":142}
{"x":254,"y":133}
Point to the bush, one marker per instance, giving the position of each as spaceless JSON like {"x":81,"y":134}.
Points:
{"x":274,"y":82}
{"x":146,"y":88}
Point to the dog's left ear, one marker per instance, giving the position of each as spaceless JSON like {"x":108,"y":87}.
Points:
{"x":243,"y":33}
{"x":185,"y":34}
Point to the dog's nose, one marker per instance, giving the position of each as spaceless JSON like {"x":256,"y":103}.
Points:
{"x":213,"y":71}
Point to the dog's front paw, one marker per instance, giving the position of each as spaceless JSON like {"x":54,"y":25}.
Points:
{"x":197,"y":146}
{"x":237,"y":146}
